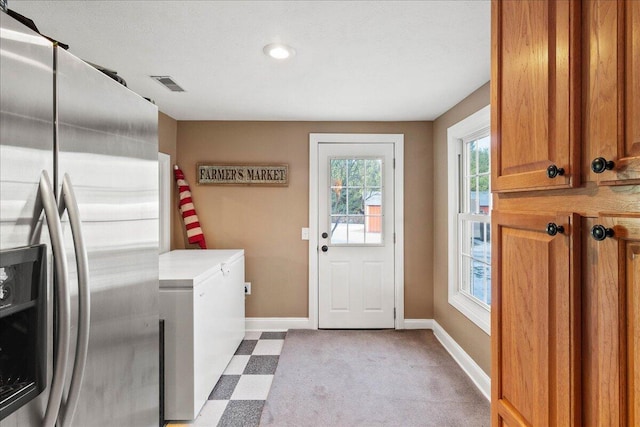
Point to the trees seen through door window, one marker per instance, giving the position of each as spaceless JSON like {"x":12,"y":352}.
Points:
{"x":356,"y":201}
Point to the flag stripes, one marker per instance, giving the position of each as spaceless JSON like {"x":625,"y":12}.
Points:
{"x":188,"y":210}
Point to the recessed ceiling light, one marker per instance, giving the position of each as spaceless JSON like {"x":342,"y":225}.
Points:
{"x":278,"y":51}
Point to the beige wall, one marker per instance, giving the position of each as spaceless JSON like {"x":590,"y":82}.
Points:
{"x":167,"y":140}
{"x":471,"y":338}
{"x":266,"y":221}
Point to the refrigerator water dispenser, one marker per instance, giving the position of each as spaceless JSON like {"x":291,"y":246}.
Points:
{"x":23,"y":326}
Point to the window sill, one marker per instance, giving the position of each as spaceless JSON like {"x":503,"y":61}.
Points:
{"x":474,"y":311}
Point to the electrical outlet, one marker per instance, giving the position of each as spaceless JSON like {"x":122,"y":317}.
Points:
{"x":247,"y":288}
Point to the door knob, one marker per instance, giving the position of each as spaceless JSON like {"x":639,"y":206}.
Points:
{"x":324,"y":248}
{"x":599,"y":232}
{"x":553,"y":171}
{"x":553,"y":229}
{"x":325,"y":235}
{"x":600,"y":164}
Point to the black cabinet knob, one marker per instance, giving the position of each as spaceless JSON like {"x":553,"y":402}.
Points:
{"x":553,"y":171}
{"x":324,"y":248}
{"x":600,"y":232}
{"x":325,"y":235}
{"x":600,"y":164}
{"x":553,"y":229}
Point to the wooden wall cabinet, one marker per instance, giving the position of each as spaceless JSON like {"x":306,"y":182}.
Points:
{"x":611,"y":86}
{"x":535,"y":104}
{"x":534,"y":318}
{"x":566,"y":308}
{"x":611,"y":319}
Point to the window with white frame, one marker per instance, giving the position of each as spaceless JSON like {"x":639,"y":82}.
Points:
{"x":470,"y":217}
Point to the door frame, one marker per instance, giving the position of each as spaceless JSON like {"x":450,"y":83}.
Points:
{"x":397,"y":139}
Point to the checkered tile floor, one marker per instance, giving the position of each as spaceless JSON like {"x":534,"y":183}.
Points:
{"x":239,"y":395}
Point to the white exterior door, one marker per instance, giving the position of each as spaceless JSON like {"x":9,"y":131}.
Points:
{"x":356,"y":286}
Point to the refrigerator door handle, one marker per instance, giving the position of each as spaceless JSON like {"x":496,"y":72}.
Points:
{"x":48,"y":204}
{"x":69,"y":203}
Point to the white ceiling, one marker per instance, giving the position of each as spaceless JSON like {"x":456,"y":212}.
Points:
{"x":355,"y":60}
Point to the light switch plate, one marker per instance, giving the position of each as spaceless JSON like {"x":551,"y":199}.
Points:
{"x":305,"y":233}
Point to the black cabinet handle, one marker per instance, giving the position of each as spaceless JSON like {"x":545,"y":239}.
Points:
{"x":553,"y":171}
{"x":600,"y":164}
{"x":600,"y":232}
{"x":553,"y":229}
{"x":325,"y":235}
{"x":324,"y":248}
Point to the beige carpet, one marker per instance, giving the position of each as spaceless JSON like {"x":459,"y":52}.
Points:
{"x":370,"y":378}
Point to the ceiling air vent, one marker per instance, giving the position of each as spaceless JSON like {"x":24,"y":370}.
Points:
{"x":168,"y":82}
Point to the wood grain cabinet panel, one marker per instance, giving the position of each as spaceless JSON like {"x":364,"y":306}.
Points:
{"x":611,"y":87}
{"x":533,"y":328}
{"x":535,"y":104}
{"x":611,"y":318}
{"x":565,"y":354}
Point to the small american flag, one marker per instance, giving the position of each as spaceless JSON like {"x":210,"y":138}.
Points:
{"x":188,"y":211}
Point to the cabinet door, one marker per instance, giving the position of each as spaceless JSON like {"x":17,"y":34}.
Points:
{"x":534,"y":94}
{"x":611,"y":78}
{"x":611,"y":372}
{"x":533,"y":327}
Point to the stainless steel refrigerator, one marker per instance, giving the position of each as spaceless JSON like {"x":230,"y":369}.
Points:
{"x":79,"y":183}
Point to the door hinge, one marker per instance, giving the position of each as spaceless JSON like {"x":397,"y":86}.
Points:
{"x":394,"y":162}
{"x":394,"y":313}
{"x":394,"y":238}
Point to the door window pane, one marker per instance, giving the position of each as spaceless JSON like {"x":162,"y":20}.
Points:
{"x":373,"y":172}
{"x":356,"y":202}
{"x":356,"y":229}
{"x":373,"y":215}
{"x":356,"y":210}
{"x":338,"y":172}
{"x":338,"y":200}
{"x":339,"y":229}
{"x":356,"y":172}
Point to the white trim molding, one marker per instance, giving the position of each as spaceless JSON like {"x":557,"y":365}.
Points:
{"x":418,"y":323}
{"x":165,"y":179}
{"x":468,"y":365}
{"x":465,"y":304}
{"x":276,"y":324}
{"x":354,"y":138}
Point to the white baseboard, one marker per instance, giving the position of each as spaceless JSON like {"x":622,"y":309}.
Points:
{"x":468,"y":365}
{"x":418,"y":323}
{"x":271,"y":324}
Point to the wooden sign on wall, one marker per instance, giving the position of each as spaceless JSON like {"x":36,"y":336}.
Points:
{"x":223,"y":174}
